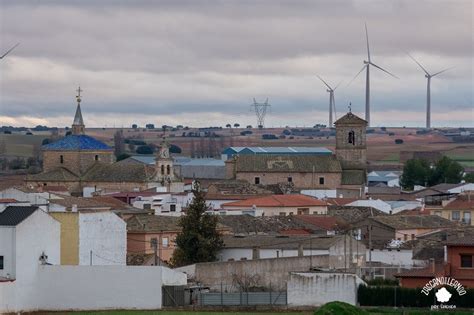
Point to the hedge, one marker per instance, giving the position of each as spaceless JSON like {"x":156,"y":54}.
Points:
{"x":406,"y":297}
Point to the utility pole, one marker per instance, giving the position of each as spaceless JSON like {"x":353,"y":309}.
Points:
{"x":90,"y":257}
{"x":370,"y":249}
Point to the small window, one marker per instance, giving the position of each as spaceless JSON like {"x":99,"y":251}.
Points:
{"x":282,"y":214}
{"x":1,"y":262}
{"x":168,"y":169}
{"x":162,"y":170}
{"x":466,"y":261}
{"x":413,"y":236}
{"x":351,"y":138}
{"x":257,"y":180}
{"x":61,"y":159}
{"x":321,"y":181}
{"x":405,"y":237}
{"x":456,"y":216}
{"x":96,"y":157}
{"x":172,"y":208}
{"x":290,"y":179}
{"x":153,"y":242}
{"x":165,"y":241}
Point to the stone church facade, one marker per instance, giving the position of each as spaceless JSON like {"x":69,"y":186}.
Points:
{"x":344,"y":171}
{"x":78,"y":161}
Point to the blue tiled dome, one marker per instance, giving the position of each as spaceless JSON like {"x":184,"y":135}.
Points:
{"x":77,"y":142}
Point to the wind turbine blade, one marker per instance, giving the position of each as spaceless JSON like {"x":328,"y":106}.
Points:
{"x":442,"y":71}
{"x":418,"y":64}
{"x":337,"y":85}
{"x":357,"y":75}
{"x":367,"y":38}
{"x":324,"y":82}
{"x":373,"y":64}
{"x":9,"y":51}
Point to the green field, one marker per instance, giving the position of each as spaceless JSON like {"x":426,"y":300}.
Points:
{"x":372,"y":311}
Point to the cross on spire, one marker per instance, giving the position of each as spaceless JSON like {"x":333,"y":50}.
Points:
{"x":350,"y":107}
{"x":78,"y":96}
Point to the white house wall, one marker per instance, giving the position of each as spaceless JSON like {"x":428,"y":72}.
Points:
{"x":77,"y":288}
{"x":315,"y":289}
{"x":7,"y":250}
{"x":105,"y":234}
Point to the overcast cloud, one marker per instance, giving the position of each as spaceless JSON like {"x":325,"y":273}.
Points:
{"x":201,"y":63}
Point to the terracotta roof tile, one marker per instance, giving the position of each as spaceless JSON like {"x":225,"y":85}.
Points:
{"x":327,"y":223}
{"x":278,"y":201}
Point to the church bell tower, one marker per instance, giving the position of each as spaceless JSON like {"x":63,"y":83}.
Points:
{"x":351,"y":146}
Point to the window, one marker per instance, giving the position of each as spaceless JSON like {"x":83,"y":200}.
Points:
{"x":153,"y":242}
{"x":1,"y":262}
{"x":290,"y":179}
{"x":456,"y":216}
{"x":61,"y":159}
{"x":405,"y":237}
{"x":173,"y":208}
{"x":302,"y":210}
{"x":168,"y":169}
{"x":438,"y":213}
{"x":413,"y":236}
{"x":96,"y":157}
{"x":466,"y":217}
{"x":282,"y":214}
{"x":162,"y":170}
{"x":466,"y":261}
{"x":257,"y":180}
{"x":164,"y":241}
{"x":321,"y":181}
{"x":351,"y":137}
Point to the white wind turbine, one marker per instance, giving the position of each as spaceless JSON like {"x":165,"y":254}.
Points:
{"x":428,"y":90}
{"x":332,"y":102}
{"x":8,"y":51}
{"x":367,"y":64}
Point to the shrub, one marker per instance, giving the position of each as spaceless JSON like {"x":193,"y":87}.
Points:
{"x":398,"y":141}
{"x":144,"y":149}
{"x":339,"y":308}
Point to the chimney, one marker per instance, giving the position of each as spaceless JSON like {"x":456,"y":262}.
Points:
{"x":255,"y":253}
{"x":74,"y":208}
{"x":300,"y":250}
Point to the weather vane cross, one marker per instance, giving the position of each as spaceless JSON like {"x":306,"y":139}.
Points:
{"x":78,"y":97}
{"x":350,"y":107}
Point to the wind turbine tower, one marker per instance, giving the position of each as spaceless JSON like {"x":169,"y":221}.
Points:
{"x":367,"y":64}
{"x":332,"y":102}
{"x":428,"y":90}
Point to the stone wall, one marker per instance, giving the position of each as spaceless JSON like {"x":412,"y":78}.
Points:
{"x":300,"y":180}
{"x":351,"y":154}
{"x":269,"y":273}
{"x":76,"y":161}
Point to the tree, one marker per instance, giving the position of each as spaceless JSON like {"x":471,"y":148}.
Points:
{"x":175,"y":149}
{"x":420,"y":172}
{"x":236,"y":125}
{"x":228,"y":126}
{"x":447,"y":171}
{"x":249,"y":127}
{"x":415,"y":172}
{"x":123,"y":156}
{"x":469,"y":178}
{"x":199,"y":240}
{"x":134,"y":126}
{"x":144,"y":149}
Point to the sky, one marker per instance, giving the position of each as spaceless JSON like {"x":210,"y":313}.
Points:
{"x":201,"y":63}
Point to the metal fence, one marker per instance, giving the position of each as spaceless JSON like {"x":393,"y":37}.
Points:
{"x":243,"y":298}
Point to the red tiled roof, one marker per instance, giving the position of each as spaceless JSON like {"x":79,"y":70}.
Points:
{"x":278,"y":201}
{"x":295,"y":232}
{"x":461,"y":203}
{"x":463,"y":241}
{"x":8,"y":200}
{"x":327,"y":223}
